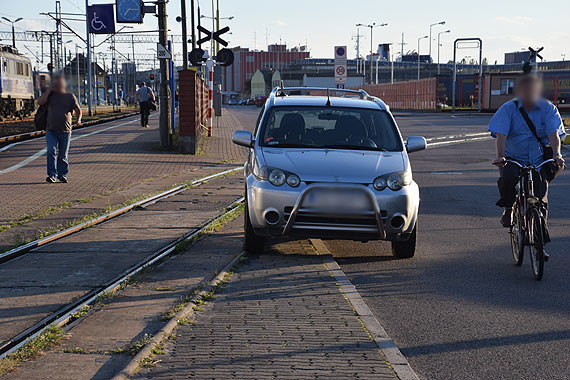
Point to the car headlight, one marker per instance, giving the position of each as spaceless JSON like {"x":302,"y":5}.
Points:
{"x":394,"y":181}
{"x":380,"y":183}
{"x":277,"y":177}
{"x":293,"y":180}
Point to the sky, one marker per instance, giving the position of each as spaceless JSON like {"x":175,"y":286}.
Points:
{"x":504,"y":25}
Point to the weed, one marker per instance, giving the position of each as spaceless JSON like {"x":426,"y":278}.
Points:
{"x":47,"y":339}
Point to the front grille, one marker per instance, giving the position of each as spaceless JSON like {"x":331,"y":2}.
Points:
{"x":364,"y":222}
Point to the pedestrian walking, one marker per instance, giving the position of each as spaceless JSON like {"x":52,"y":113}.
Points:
{"x":144,"y":97}
{"x":61,"y":106}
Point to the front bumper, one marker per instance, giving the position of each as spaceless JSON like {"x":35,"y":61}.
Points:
{"x":391,"y":215}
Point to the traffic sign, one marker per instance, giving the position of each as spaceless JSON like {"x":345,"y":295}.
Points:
{"x":130,"y":11}
{"x":196,"y":56}
{"x":340,"y":52}
{"x":101,"y":19}
{"x":340,"y":65}
{"x":225,"y":57}
{"x":162,"y":52}
{"x":215,"y":36}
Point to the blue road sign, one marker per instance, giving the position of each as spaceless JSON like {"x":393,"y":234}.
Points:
{"x":101,"y":19}
{"x":129,"y":11}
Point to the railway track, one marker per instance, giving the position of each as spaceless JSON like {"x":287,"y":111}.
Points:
{"x":29,"y":124}
{"x":65,"y":313}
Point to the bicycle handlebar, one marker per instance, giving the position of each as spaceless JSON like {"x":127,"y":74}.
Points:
{"x":530,"y":166}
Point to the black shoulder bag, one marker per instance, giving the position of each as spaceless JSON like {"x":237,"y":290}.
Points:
{"x":40,"y":118}
{"x":547,"y":152}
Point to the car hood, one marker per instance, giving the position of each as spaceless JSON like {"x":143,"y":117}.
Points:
{"x":334,"y":165}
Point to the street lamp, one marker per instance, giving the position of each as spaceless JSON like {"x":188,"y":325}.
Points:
{"x":371,"y":26}
{"x":13,"y":32}
{"x":221,"y":18}
{"x":419,"y":39}
{"x":438,"y":46}
{"x":431,"y":26}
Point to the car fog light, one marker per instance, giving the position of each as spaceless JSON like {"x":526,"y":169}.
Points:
{"x":277,"y":177}
{"x":293,"y":180}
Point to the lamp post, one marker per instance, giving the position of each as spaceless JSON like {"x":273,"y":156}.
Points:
{"x":13,"y":32}
{"x":430,"y":27}
{"x":371,"y":26}
{"x":438,"y":48}
{"x":65,"y":62}
{"x":419,"y":39}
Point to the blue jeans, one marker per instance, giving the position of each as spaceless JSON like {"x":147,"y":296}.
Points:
{"x":57,"y":148}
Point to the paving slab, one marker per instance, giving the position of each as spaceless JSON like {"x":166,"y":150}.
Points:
{"x":52,"y":276}
{"x":136,"y":310}
{"x":280,"y":316}
{"x":120,"y":162}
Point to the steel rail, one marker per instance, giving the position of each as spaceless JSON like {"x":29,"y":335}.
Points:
{"x":87,"y":124}
{"x":23,"y":249}
{"x":62,"y":316}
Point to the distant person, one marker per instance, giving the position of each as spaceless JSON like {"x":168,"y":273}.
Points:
{"x":61,"y":105}
{"x":144,"y":97}
{"x":516,"y":141}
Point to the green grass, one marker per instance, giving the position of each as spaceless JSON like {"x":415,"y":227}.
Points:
{"x":46,"y":340}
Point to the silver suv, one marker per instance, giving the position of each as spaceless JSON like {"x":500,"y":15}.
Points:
{"x":330,"y":167}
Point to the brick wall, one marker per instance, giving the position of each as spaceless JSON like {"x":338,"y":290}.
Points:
{"x":193,"y":103}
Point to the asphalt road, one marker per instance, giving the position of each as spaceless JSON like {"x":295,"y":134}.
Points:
{"x":461,"y":309}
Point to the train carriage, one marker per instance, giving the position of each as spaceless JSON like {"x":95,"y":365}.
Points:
{"x":16,"y":84}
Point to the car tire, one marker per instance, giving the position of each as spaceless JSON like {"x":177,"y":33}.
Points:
{"x":252,"y":243}
{"x":406,"y":249}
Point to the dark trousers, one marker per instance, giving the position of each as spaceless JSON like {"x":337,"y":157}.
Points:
{"x":145,"y":111}
{"x":509,"y":177}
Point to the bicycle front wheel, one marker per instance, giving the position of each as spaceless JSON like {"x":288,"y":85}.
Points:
{"x":535,"y":243}
{"x":517,"y":236}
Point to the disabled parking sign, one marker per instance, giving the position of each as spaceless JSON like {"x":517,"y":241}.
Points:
{"x":101,"y":19}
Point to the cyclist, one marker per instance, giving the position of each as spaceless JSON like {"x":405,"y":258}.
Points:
{"x":512,"y":126}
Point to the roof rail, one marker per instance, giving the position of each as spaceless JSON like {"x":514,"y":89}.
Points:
{"x":284,"y":91}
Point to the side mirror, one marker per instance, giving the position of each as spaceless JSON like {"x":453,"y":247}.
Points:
{"x":415,"y":144}
{"x":243,"y":138}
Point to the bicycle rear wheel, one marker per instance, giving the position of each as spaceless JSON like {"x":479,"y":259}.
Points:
{"x":517,"y":236}
{"x":536,"y":243}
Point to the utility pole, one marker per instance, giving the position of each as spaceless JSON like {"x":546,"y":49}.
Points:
{"x":88,"y":60}
{"x":164,"y":126}
{"x":134,"y":68}
{"x":184,"y":33}
{"x":193,"y":23}
{"x":217,"y":23}
{"x":78,"y":76}
{"x":402,"y":46}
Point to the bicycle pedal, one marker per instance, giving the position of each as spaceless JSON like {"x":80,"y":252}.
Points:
{"x":545,"y":255}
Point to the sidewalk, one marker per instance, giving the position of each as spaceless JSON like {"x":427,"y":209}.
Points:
{"x":281,"y":316}
{"x":109,"y":164}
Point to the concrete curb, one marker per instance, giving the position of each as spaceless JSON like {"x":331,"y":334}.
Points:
{"x":167,"y":329}
{"x":391,"y":352}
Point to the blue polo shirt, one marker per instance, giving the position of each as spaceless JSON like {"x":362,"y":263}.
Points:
{"x":521,"y":143}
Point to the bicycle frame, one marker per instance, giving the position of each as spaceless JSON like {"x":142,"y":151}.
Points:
{"x":527,"y":208}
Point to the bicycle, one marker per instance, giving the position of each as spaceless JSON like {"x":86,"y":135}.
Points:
{"x":528,"y":221}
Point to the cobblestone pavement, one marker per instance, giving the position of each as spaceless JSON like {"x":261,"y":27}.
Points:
{"x":279,"y":317}
{"x":114,"y":159}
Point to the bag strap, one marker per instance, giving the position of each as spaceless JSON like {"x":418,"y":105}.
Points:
{"x":529,"y":123}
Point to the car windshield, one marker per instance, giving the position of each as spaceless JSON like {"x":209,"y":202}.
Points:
{"x":330,"y":128}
